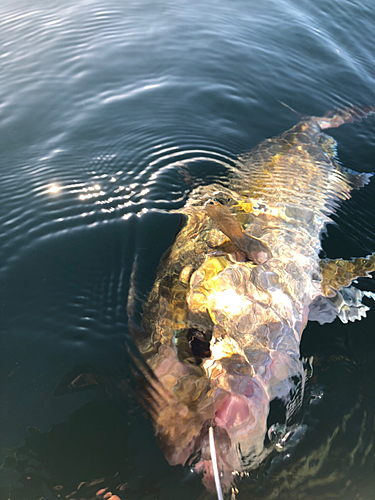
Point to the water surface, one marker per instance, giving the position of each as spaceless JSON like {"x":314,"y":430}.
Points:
{"x":110,"y":114}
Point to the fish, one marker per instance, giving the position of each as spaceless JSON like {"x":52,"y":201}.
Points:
{"x":233,"y":294}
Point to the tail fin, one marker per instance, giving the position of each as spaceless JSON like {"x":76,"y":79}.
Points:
{"x":339,"y":116}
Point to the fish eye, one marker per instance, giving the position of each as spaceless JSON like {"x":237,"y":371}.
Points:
{"x":199,"y":343}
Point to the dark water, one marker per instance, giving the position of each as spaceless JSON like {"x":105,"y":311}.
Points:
{"x":110,"y":113}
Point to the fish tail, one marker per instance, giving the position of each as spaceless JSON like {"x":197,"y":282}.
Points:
{"x":339,"y":116}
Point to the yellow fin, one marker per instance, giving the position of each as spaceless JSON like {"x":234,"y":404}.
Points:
{"x":340,"y":273}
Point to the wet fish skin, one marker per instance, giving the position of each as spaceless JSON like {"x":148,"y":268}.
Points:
{"x":283,"y":191}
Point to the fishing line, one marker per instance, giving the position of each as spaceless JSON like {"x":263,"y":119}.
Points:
{"x":214,"y":463}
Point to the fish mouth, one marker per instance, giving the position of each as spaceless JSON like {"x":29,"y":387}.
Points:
{"x":226,"y":395}
{"x":232,"y":402}
{"x":238,"y":428}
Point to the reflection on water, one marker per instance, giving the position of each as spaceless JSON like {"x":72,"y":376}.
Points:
{"x":110,"y":114}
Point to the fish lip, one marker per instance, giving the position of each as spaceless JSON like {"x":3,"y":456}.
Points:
{"x":202,"y":439}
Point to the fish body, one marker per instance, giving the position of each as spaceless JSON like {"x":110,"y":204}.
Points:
{"x":242,"y":278}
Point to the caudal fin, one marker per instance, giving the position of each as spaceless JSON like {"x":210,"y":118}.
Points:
{"x":339,"y":116}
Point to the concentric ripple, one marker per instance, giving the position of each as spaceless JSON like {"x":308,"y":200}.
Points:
{"x":103,"y":188}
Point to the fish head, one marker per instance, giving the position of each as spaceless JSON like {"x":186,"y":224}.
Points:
{"x":253,"y":354}
{"x":229,"y":397}
{"x":241,"y":406}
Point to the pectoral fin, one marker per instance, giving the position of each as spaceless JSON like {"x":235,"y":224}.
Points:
{"x":339,"y":273}
{"x":255,"y":250}
{"x":346,"y":304}
{"x":338,"y":298}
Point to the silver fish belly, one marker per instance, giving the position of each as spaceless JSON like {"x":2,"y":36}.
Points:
{"x":223,"y":329}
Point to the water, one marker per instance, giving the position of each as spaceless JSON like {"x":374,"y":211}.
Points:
{"x":110,"y":113}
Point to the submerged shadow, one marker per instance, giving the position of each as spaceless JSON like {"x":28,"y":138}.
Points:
{"x":105,"y":449}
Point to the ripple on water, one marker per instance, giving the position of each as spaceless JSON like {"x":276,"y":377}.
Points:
{"x":152,"y":174}
{"x":109,"y":116}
